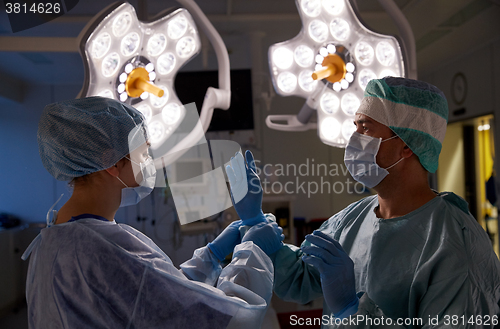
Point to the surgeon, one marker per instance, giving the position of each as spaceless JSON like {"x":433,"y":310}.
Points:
{"x":406,"y":257}
{"x":87,"y":271}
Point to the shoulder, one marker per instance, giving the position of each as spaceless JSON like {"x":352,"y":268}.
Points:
{"x":352,"y":211}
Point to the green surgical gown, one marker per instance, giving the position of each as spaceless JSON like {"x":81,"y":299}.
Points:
{"x":436,"y":262}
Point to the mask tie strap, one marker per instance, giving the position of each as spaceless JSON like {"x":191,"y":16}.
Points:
{"x":394,"y":164}
{"x":51,"y":222}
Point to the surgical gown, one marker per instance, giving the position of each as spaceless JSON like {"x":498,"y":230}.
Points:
{"x":95,"y":274}
{"x":433,"y":263}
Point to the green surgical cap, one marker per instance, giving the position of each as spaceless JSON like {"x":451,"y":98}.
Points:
{"x":415,"y":110}
{"x":81,"y":136}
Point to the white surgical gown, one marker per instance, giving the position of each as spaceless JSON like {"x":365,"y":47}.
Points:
{"x":95,"y":274}
{"x":433,"y":263}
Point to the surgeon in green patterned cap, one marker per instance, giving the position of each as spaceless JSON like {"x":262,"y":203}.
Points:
{"x":407,"y":256}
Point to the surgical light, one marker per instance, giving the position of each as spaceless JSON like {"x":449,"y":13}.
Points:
{"x":287,"y":82}
{"x":348,"y":128}
{"x":364,"y":53}
{"x":343,"y":55}
{"x":350,"y":103}
{"x":145,"y":109}
{"x":156,"y":44}
{"x":126,"y":57}
{"x":311,"y":8}
{"x":340,"y":29}
{"x":385,"y":53}
{"x":106,"y":93}
{"x":166,"y":63}
{"x":330,"y":128}
{"x":171,"y":113}
{"x":386,"y":73}
{"x":186,"y":47}
{"x":333,"y":7}
{"x":283,"y":57}
{"x":318,"y":31}
{"x":329,"y":103}
{"x":303,"y":55}
{"x":177,"y":27}
{"x":306,"y":81}
{"x":136,"y":62}
{"x":160,"y":101}
{"x":130,"y":43}
{"x":121,"y":24}
{"x":365,"y":76}
{"x":110,"y":64}
{"x":100,"y":45}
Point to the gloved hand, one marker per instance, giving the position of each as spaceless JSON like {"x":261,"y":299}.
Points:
{"x":246,"y":190}
{"x":268,"y":236}
{"x":224,"y":244}
{"x":336,"y":272}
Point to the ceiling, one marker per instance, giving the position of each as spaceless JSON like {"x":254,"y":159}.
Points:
{"x":444,"y":30}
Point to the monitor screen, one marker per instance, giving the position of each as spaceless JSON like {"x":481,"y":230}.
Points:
{"x":192,"y":86}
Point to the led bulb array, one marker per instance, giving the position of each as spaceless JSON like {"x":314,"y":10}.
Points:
{"x":120,"y":44}
{"x":332,"y":27}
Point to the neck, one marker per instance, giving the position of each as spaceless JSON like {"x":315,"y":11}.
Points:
{"x":401,"y":194}
{"x":99,"y":200}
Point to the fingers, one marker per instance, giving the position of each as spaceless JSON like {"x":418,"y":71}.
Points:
{"x":321,"y":253}
{"x":236,"y":223}
{"x":329,"y":238}
{"x":254,"y":221}
{"x":250,"y":160}
{"x":325,"y":244}
{"x":231,"y":176}
{"x":314,"y":262}
{"x":238,"y":165}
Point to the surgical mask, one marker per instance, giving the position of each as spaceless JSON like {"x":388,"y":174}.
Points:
{"x":360,"y":159}
{"x":132,"y":195}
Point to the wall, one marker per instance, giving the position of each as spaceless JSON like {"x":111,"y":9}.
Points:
{"x":450,"y":173}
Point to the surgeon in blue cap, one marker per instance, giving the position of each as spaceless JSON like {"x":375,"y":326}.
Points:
{"x":407,"y":257}
{"x":87,"y":271}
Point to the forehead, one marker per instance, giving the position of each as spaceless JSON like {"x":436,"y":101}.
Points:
{"x":361,"y":118}
{"x":366,"y":120}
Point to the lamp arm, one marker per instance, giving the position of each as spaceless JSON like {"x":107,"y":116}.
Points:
{"x":406,"y":33}
{"x":214,"y":98}
{"x":219,"y":47}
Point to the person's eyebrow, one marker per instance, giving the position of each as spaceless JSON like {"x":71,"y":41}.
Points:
{"x":361,"y":121}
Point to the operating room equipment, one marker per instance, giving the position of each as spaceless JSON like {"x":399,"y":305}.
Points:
{"x":136,"y":62}
{"x":330,"y":63}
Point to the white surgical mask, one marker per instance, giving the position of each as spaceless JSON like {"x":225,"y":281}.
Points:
{"x":360,"y":159}
{"x":132,"y":195}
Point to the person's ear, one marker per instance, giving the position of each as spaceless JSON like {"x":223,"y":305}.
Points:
{"x":113,"y":171}
{"x":407,"y":152}
{"x":116,"y":168}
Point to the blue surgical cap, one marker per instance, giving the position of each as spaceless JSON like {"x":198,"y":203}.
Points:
{"x":415,"y":110}
{"x":81,"y":136}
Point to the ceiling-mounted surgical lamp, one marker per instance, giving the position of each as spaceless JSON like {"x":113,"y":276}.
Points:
{"x":136,"y":62}
{"x":330,"y":63}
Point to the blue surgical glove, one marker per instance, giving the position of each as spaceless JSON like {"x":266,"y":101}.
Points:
{"x":246,"y":190}
{"x":336,"y":272}
{"x":224,"y":244}
{"x":268,"y":236}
